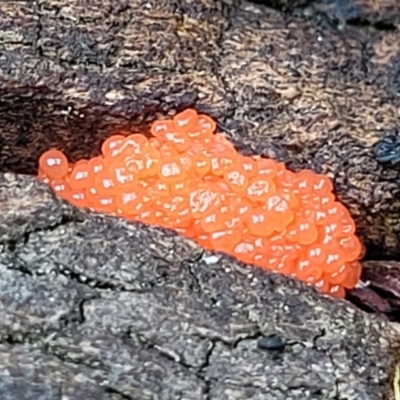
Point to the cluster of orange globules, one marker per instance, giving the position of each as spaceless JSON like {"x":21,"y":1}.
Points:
{"x":187,"y":178}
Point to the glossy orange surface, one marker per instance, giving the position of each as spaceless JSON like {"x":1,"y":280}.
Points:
{"x":190,"y":179}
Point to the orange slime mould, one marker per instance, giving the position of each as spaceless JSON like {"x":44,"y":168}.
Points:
{"x":192,"y":180}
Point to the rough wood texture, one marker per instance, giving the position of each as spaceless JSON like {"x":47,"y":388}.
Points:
{"x":72,"y":71}
{"x":94,"y":307}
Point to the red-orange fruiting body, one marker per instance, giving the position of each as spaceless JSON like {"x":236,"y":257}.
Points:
{"x":191,"y":179}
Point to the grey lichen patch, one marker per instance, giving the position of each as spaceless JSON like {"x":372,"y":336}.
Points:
{"x":37,"y":306}
{"x":172,"y":337}
{"x":27,"y":373}
{"x":108,"y":252}
{"x":171,"y":320}
{"x":127,"y":365}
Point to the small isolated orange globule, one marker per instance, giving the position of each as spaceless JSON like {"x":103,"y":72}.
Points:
{"x":189,"y":179}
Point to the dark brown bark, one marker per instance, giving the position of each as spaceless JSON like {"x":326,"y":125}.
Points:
{"x":71,"y":72}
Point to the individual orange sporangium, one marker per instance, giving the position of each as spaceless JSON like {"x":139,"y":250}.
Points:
{"x":187,"y":178}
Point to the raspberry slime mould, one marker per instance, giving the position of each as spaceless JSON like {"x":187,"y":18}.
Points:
{"x":188,"y":178}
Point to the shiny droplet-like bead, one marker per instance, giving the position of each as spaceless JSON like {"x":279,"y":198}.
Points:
{"x":236,"y":177}
{"x":308,"y":271}
{"x":354,"y":274}
{"x":259,"y":189}
{"x":111,"y":145}
{"x":54,"y":164}
{"x":258,"y":223}
{"x":186,"y":120}
{"x":334,"y":261}
{"x":203,"y":199}
{"x":171,"y":171}
{"x":81,"y":176}
{"x":130,"y":201}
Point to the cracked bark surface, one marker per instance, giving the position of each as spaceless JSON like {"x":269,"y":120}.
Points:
{"x":97,"y":307}
{"x":72,"y":72}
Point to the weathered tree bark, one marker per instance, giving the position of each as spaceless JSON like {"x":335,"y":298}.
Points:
{"x":72,"y":71}
{"x":94,"y":307}
{"x":98,"y":308}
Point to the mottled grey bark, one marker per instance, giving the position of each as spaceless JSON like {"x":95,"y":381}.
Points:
{"x":95,"y":307}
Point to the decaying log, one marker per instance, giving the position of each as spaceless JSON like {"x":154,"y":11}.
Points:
{"x":72,"y":71}
{"x":95,"y":307}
